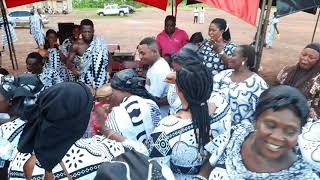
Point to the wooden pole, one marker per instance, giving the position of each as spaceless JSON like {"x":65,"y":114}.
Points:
{"x":258,"y":34}
{"x":8,"y":35}
{"x":315,"y":28}
{"x":263,"y":35}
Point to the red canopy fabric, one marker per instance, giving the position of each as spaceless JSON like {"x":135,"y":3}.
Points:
{"x":161,"y":4}
{"x":14,"y":3}
{"x":244,"y":9}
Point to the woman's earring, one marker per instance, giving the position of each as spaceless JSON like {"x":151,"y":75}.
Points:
{"x":242,"y":64}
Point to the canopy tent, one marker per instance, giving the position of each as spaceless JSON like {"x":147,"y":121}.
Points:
{"x":286,"y":7}
{"x":245,"y":9}
{"x":15,"y":3}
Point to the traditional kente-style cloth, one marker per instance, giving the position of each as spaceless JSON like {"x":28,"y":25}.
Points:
{"x":49,"y":77}
{"x":93,"y":63}
{"x":135,"y":118}
{"x":308,"y":82}
{"x":54,"y":62}
{"x":57,"y":120}
{"x":230,"y":165}
{"x":81,"y":160}
{"x":242,"y":96}
{"x":212,"y":59}
{"x":36,"y":29}
{"x":11,"y":25}
{"x":309,"y":144}
{"x":173,"y":143}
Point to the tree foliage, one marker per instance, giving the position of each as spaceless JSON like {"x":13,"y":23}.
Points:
{"x":101,"y":3}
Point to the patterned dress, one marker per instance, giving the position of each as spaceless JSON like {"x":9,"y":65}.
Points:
{"x":173,"y":143}
{"x":310,"y":87}
{"x":242,"y":96}
{"x":230,"y":166}
{"x":309,"y":143}
{"x":173,"y":100}
{"x":36,"y":29}
{"x":212,"y":59}
{"x":49,"y":77}
{"x":135,"y":118}
{"x":12,"y":24}
{"x":9,"y":137}
{"x":82,"y":160}
{"x":93,"y":63}
{"x":54,"y":62}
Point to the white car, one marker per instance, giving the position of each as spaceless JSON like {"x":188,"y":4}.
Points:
{"x":113,"y":10}
{"x":22,"y":17}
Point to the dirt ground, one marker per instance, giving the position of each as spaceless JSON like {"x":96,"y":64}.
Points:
{"x":296,"y":31}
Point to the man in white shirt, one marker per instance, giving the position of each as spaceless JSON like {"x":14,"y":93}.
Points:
{"x":157,"y":72}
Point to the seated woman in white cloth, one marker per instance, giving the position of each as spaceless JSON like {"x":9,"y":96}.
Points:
{"x":268,"y":149}
{"x":184,"y":141}
{"x":134,"y":112}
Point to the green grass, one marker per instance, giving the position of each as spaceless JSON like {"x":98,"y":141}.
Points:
{"x":86,"y":9}
{"x":95,"y":16}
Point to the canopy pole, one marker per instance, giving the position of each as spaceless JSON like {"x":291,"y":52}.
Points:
{"x":263,"y":35}
{"x":8,"y":35}
{"x":172,"y":7}
{"x":258,"y":33}
{"x":315,"y":28}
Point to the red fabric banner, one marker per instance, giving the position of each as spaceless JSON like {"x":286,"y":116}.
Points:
{"x":244,"y":9}
{"x":14,"y":3}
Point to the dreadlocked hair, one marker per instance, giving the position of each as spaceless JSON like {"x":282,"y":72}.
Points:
{"x":195,"y":82}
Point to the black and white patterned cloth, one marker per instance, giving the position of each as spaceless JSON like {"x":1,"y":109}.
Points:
{"x":135,"y":118}
{"x":36,"y":29}
{"x":54,"y":62}
{"x":49,"y":77}
{"x":94,"y":62}
{"x":173,"y":143}
{"x":212,"y":59}
{"x":242,"y":96}
{"x":9,"y":137}
{"x":81,"y":161}
{"x":230,"y":166}
{"x":309,"y":143}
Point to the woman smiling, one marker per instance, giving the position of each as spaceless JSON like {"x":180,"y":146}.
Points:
{"x":267,"y":149}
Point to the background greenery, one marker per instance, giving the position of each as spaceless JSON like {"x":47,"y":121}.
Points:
{"x":87,"y":4}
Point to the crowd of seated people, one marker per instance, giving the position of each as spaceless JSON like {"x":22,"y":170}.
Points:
{"x":201,"y":112}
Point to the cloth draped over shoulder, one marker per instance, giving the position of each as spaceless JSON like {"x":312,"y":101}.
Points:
{"x":55,"y":123}
{"x":94,"y":62}
{"x":307,"y":81}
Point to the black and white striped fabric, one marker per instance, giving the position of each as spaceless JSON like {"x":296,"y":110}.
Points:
{"x":135,"y":118}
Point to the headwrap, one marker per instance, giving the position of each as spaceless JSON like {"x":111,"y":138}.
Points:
{"x":298,"y":77}
{"x":20,"y":91}
{"x":129,"y":81}
{"x":58,"y":119}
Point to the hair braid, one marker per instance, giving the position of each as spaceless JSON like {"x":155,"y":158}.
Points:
{"x":195,"y":83}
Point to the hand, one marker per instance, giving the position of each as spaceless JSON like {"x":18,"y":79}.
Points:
{"x":171,"y":78}
{"x":278,"y":36}
{"x":217,"y":46}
